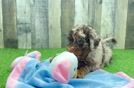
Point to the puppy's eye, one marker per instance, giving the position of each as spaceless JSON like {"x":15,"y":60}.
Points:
{"x":81,"y":41}
{"x":75,"y":69}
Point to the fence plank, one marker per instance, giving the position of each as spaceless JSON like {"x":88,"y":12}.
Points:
{"x":54,"y":23}
{"x":39,"y":24}
{"x":9,"y":23}
{"x":46,"y":23}
{"x":91,"y":12}
{"x":120,"y":22}
{"x":23,"y":23}
{"x":129,"y":41}
{"x":97,"y":16}
{"x":81,"y":12}
{"x":67,"y":19}
{"x":1,"y":26}
{"x":108,"y":18}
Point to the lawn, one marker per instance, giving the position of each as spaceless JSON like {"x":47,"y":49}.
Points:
{"x":123,"y":60}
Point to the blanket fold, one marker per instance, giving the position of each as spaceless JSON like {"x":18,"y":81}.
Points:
{"x":31,"y":73}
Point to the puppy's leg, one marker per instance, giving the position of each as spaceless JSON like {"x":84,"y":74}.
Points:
{"x":85,"y":69}
{"x":108,"y":55}
{"x":81,"y":72}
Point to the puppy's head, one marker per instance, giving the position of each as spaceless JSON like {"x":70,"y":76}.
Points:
{"x":82,"y":40}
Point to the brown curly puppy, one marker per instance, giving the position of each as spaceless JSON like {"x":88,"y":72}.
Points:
{"x":92,"y":51}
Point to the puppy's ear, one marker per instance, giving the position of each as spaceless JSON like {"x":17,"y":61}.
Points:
{"x":96,"y":42}
{"x":70,"y":36}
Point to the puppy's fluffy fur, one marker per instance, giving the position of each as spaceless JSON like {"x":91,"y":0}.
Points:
{"x":92,"y":51}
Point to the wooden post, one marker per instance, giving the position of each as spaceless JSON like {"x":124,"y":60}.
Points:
{"x":97,"y":15}
{"x":94,"y":14}
{"x":121,"y":8}
{"x":81,"y":12}
{"x":23,"y":23}
{"x":1,"y":26}
{"x":129,"y":42}
{"x":108,"y":18}
{"x":54,"y":23}
{"x":9,"y":23}
{"x":91,"y":12}
{"x":39,"y":24}
{"x":67,"y":19}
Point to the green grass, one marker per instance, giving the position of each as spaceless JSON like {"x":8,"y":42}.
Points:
{"x":123,"y":60}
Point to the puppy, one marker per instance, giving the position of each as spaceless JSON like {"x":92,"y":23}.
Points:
{"x":92,"y":51}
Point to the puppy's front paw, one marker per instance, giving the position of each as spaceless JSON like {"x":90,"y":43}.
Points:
{"x":80,"y":74}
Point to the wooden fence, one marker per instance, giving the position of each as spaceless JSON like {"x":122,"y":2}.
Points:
{"x":46,"y":23}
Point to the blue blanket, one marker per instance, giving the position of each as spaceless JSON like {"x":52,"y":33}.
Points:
{"x":31,"y":73}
